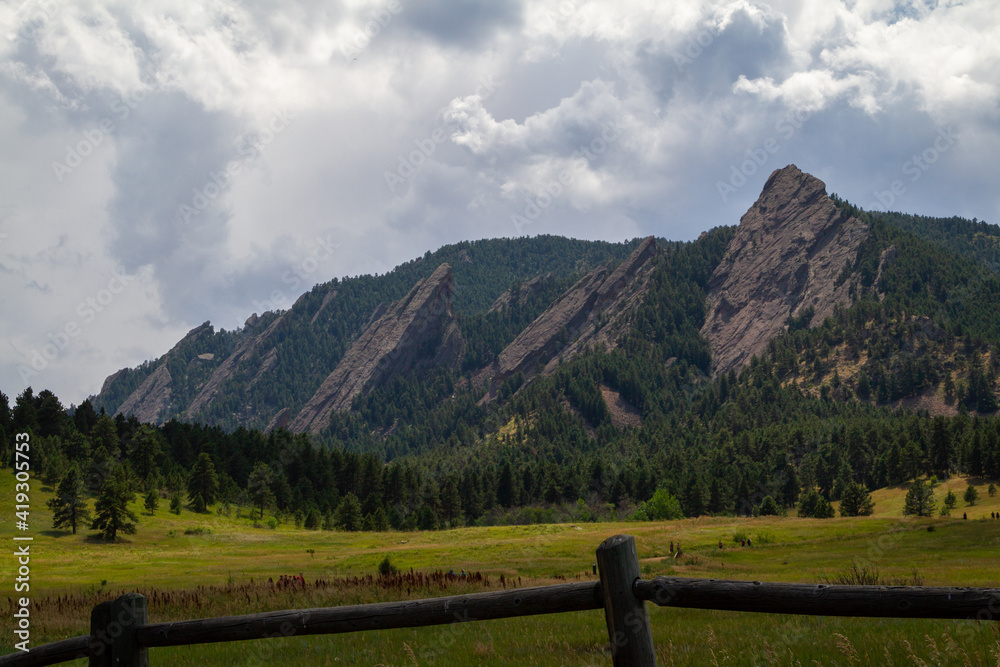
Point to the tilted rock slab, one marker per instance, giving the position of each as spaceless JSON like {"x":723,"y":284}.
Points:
{"x":227,"y":369}
{"x":420,"y":325}
{"x":786,"y":256}
{"x":560,"y":331}
{"x":151,"y":399}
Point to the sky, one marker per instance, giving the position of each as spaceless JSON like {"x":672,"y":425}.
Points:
{"x":163,"y":164}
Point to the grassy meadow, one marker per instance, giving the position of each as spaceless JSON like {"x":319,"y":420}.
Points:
{"x":202,"y":565}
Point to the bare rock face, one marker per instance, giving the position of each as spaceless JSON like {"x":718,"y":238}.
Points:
{"x":330,"y":296}
{"x":228,"y":368}
{"x":786,"y":257}
{"x":419,"y":327}
{"x":280,"y":420}
{"x":151,"y":399}
{"x":588,"y":313}
{"x":887,"y":257}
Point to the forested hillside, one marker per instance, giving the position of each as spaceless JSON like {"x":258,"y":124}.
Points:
{"x":612,"y":405}
{"x":297,"y":348}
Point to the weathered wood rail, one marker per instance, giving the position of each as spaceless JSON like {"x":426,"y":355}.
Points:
{"x":121,"y":636}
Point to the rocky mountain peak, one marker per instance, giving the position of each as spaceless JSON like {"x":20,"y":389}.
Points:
{"x":786,"y":257}
{"x":418,"y":327}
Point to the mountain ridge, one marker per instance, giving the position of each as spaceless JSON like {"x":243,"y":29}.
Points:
{"x":798,"y":261}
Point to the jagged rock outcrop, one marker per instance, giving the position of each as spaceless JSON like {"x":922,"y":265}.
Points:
{"x":280,"y":420}
{"x":786,"y":257}
{"x":228,"y":368}
{"x":419,"y":327}
{"x":110,"y":380}
{"x":592,"y":311}
{"x":330,"y":296}
{"x":151,"y":399}
{"x":887,"y":257}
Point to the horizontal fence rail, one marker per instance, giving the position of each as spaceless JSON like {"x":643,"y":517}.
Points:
{"x":51,"y":654}
{"x":380,"y":616}
{"x":821,"y":599}
{"x":121,"y":636}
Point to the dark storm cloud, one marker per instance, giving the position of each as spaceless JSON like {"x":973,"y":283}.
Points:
{"x":167,"y":153}
{"x":463,"y":23}
{"x":705,"y":62}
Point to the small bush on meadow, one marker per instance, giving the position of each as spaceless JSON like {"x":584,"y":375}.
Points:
{"x":386,"y":568}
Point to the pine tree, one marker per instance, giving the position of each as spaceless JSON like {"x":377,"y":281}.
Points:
{"x":768,"y":507}
{"x":112,"y":513}
{"x":941,"y":447}
{"x":144,"y":450}
{"x":807,"y":502}
{"x":349,"y":513}
{"x":380,"y":521}
{"x":823,"y":510}
{"x":69,"y":508}
{"x":855,"y":500}
{"x":105,"y":434}
{"x":203,"y":483}
{"x":152,"y":501}
{"x":950,"y":500}
{"x":198,"y":503}
{"x":259,"y":486}
{"x":506,"y":491}
{"x":971,"y":495}
{"x":919,"y":500}
{"x":175,"y":503}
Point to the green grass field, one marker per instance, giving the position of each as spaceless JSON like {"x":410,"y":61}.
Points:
{"x":210,"y":574}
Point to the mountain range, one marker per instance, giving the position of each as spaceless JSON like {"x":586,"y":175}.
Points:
{"x":500,"y":311}
{"x":810,"y":350}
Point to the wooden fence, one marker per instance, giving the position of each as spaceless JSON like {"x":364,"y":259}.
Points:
{"x":121,"y":636}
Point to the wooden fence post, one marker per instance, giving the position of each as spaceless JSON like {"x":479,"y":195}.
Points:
{"x":628,"y":623}
{"x":112,"y":632}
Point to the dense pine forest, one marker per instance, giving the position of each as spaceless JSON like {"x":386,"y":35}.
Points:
{"x":641,"y":429}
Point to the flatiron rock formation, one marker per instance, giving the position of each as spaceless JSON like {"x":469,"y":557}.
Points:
{"x":786,"y":257}
{"x":151,"y":399}
{"x":228,"y":368}
{"x":419,"y":327}
{"x":591,"y":311}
